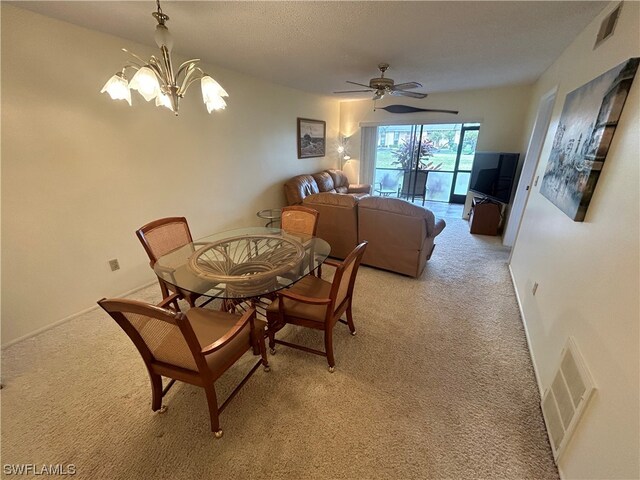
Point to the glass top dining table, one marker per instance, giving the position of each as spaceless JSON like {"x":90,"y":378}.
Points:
{"x":243,"y":263}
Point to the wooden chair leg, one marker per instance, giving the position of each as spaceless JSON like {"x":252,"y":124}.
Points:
{"x":352,"y":327}
{"x":272,"y":339}
{"x":156,"y":391}
{"x":165,"y":293}
{"x":212,"y":402}
{"x":190,"y":300}
{"x":257,"y":337}
{"x":328,"y":347}
{"x":163,"y":289}
{"x":263,"y":352}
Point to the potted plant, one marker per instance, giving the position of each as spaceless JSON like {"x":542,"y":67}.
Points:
{"x":414,"y":184}
{"x":405,"y":155}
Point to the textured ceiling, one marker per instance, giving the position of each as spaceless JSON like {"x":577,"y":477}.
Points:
{"x":316,"y":46}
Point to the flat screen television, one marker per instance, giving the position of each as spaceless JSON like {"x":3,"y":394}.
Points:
{"x":492,"y":175}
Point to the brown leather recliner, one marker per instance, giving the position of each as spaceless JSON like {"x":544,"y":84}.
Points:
{"x":400,"y":234}
{"x":330,"y":181}
{"x":337,"y":222}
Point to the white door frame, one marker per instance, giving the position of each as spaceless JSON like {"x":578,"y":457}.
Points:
{"x":529,"y":167}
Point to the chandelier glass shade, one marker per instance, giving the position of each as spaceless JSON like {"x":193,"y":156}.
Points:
{"x":155,"y":78}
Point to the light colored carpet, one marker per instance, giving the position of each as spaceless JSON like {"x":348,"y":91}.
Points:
{"x":437,"y":384}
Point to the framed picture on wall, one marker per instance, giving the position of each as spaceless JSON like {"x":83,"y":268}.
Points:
{"x":587,"y":124}
{"x":312,"y":138}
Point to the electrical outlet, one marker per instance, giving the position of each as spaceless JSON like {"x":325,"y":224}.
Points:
{"x":535,"y":288}
{"x":114,"y":264}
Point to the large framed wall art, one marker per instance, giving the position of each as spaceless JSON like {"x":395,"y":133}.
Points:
{"x":587,"y":124}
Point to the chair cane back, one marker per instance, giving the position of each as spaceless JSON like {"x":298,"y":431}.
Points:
{"x":161,"y":237}
{"x":301,"y":220}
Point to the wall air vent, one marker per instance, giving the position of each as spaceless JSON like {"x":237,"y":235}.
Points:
{"x":607,"y":26}
{"x":565,"y":401}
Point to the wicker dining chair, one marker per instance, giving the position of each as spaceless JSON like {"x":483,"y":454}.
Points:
{"x":296,"y":219}
{"x":316,"y":303}
{"x":195,"y":348}
{"x":161,"y":237}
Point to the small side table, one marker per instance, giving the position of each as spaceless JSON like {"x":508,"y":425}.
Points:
{"x":272,"y":215}
{"x":385,"y":192}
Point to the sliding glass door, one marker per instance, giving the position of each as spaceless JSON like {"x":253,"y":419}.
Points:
{"x":425,"y":162}
{"x":464,"y":161}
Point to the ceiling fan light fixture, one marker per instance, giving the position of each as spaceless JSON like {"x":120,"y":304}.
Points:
{"x":380,"y":86}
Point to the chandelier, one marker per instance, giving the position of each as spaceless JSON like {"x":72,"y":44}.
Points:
{"x":156,"y":79}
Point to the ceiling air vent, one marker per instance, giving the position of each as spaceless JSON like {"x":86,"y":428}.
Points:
{"x":564,"y":403}
{"x":607,"y":26}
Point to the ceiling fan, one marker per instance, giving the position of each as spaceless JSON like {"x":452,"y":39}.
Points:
{"x":382,"y":86}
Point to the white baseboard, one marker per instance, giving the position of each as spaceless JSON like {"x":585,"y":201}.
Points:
{"x":533,"y":359}
{"x":526,"y":332}
{"x":70,"y":317}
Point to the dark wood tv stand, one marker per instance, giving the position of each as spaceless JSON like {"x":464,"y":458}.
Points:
{"x":486,"y":216}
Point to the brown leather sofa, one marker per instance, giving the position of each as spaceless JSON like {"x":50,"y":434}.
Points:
{"x":337,"y":222}
{"x":400,"y":234}
{"x":330,"y":181}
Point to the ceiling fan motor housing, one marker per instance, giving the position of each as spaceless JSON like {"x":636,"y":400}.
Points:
{"x":381,"y":83}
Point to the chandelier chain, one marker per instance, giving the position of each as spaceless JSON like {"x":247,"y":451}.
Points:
{"x":159,"y":15}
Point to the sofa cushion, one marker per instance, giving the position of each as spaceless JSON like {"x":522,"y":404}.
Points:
{"x":339,"y":180}
{"x":335,"y":199}
{"x":402,"y":207}
{"x":394,"y":205}
{"x":324,"y":181}
{"x":360,"y":188}
{"x":332,"y":181}
{"x":299,"y":187}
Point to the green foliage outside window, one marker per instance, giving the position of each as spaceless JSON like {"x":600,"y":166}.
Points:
{"x":407,"y":151}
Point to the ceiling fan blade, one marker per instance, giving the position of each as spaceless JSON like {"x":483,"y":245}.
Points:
{"x":353,"y":91}
{"x":404,"y":93}
{"x":408,"y":109}
{"x":360,"y":84}
{"x":406,"y":86}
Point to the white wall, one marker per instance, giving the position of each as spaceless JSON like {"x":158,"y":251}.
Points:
{"x":502,"y":112}
{"x":588,"y":273}
{"x":80,"y":172}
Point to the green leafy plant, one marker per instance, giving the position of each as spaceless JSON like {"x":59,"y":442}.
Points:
{"x":407,"y":151}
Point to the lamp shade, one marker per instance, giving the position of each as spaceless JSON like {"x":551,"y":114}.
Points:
{"x":215,"y":103}
{"x":211,"y":89}
{"x":117,"y":88}
{"x":146,"y":83}
{"x":163,"y":100}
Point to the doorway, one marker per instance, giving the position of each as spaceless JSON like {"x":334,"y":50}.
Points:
{"x":536,"y":142}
